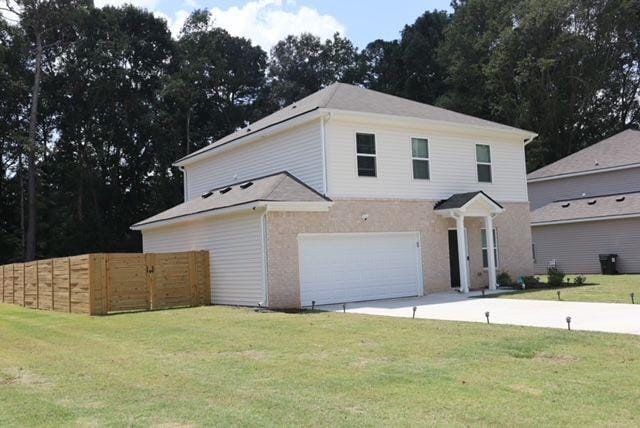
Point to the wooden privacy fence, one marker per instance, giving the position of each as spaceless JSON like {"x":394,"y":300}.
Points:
{"x":99,"y":284}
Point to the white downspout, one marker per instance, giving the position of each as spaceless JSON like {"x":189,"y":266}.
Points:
{"x":324,"y":152}
{"x":185,"y":186}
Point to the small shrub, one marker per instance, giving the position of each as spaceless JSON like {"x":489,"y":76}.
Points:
{"x":580,"y":280}
{"x":555,"y":277}
{"x":531,"y":281}
{"x":504,"y":279}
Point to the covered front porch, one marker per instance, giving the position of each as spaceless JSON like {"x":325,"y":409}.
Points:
{"x":466,"y":206}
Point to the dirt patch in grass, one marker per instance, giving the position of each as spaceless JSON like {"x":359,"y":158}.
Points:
{"x":19,"y":376}
{"x":556,"y":359}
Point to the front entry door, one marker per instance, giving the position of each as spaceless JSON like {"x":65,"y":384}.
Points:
{"x":454,"y":263}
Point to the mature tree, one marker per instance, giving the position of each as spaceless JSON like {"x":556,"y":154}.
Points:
{"x":301,"y":65}
{"x":14,"y":96}
{"x":105,"y":163}
{"x":565,"y":69}
{"x":46,"y":24}
{"x":409,"y":67}
{"x":217,"y":78}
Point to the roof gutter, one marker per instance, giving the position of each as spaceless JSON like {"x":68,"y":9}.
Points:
{"x":264,"y":132}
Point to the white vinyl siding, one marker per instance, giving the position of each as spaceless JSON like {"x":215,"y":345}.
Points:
{"x":452,"y":165}
{"x":348,"y":267}
{"x":297,"y":150}
{"x":236,"y":249}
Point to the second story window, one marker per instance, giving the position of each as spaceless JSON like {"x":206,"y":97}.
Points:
{"x":366,"y":153}
{"x":420,"y":158}
{"x":483,"y":161}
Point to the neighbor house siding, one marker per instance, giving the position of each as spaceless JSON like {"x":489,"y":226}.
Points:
{"x":602,"y":183}
{"x":235,"y":247}
{"x":452,"y":164}
{"x":576,"y":246}
{"x":297,"y":150}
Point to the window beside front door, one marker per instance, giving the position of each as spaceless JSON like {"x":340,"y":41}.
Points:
{"x":366,"y":154}
{"x":420,"y":158}
{"x":485,"y":254}
{"x":483,"y":163}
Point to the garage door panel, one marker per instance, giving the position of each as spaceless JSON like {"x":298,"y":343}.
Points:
{"x":352,"y":267}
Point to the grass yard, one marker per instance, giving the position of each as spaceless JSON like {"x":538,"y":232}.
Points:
{"x":599,"y":288}
{"x":224,"y":366}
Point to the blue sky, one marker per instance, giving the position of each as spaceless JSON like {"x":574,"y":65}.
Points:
{"x":266,"y":21}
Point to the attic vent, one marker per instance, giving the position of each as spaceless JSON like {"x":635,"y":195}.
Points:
{"x":294,"y":106}
{"x":592,"y":202}
{"x":206,"y":195}
{"x":225,"y":190}
{"x":248,"y":129}
{"x":621,"y":199}
{"x":246,"y":185}
{"x":597,"y":163}
{"x":566,"y":205}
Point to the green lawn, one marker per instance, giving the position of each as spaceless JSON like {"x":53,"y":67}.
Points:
{"x":599,"y":288}
{"x":223,"y":366}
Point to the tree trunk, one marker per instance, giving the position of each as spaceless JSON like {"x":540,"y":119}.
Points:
{"x":31,"y":155}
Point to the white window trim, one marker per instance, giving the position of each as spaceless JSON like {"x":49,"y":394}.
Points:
{"x":495,"y":244}
{"x":428,"y":158}
{"x":375,"y":156}
{"x":484,"y":163}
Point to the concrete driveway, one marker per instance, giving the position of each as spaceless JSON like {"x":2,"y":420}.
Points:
{"x":605,"y":317}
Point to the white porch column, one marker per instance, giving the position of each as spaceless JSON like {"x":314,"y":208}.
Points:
{"x":462,"y":254}
{"x":488,"y":222}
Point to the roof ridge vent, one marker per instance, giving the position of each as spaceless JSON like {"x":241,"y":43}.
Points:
{"x":621,"y":199}
{"x":592,"y":202}
{"x":225,"y":190}
{"x":246,"y":185}
{"x":567,"y":205}
{"x":207,"y":194}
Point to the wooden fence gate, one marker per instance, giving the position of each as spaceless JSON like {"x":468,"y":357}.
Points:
{"x":100,"y":284}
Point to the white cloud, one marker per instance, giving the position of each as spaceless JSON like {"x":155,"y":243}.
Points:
{"x":266,"y":22}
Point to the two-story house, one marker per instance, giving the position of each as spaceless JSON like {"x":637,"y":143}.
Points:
{"x":349,"y":195}
{"x":588,"y":204}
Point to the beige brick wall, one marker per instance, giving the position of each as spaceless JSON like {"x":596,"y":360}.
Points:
{"x":345,"y":216}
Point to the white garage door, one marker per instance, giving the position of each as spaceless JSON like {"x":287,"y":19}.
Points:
{"x":336,"y":267}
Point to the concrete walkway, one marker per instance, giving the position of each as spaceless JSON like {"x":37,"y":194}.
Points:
{"x":604,"y":317}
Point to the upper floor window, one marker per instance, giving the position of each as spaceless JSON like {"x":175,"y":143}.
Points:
{"x":420,"y":158}
{"x":485,"y":254}
{"x":483,"y":161}
{"x":366,"y":153}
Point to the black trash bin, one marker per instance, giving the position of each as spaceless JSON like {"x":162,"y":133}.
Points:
{"x":608,"y":264}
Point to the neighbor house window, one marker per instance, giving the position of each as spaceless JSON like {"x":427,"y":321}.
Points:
{"x":483,"y":160}
{"x":420,"y":158}
{"x":366,"y":153}
{"x":485,"y":254}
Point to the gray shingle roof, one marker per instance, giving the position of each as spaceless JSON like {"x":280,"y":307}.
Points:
{"x":459,"y":200}
{"x":280,"y":187}
{"x":619,"y":150}
{"x":583,"y":209}
{"x":345,"y":97}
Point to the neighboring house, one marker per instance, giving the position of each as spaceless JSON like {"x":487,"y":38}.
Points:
{"x":588,"y":204}
{"x":350,"y":194}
